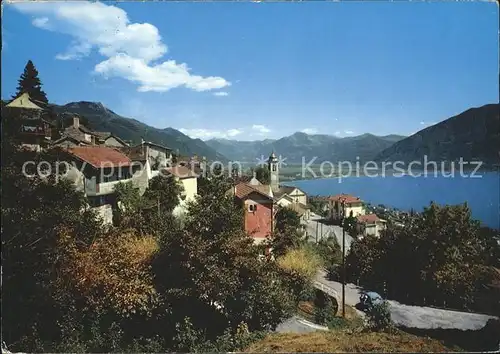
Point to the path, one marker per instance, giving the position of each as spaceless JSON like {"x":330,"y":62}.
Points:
{"x":297,"y":324}
{"x":414,"y":316}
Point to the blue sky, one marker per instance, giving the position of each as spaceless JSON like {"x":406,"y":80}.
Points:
{"x":261,"y":70}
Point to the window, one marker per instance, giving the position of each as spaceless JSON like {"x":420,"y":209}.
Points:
{"x":252,"y":207}
{"x":274,"y":168}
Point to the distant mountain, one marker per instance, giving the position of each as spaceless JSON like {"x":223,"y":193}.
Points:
{"x":100,"y":118}
{"x":472,"y":135}
{"x":298,"y":145}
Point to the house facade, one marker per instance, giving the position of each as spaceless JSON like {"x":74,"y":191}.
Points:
{"x":189,"y":182}
{"x":259,"y":209}
{"x":96,"y":170}
{"x":32,"y":130}
{"x":352,"y":205}
{"x":370,"y":224}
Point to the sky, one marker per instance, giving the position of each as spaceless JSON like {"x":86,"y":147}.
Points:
{"x":247,"y":71}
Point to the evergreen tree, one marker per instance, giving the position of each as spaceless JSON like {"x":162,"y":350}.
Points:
{"x":30,"y":83}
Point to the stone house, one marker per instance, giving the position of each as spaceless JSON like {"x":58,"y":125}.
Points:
{"x":96,"y":170}
{"x":79,"y":135}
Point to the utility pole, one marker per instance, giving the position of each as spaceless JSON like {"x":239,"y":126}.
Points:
{"x":321,"y":231}
{"x":343,"y":258}
{"x":317,"y":231}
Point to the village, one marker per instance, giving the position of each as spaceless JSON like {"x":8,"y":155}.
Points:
{"x":102,"y":152}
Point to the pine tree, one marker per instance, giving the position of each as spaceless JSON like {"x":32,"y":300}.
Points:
{"x":30,"y":83}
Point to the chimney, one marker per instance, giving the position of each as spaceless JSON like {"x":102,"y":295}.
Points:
{"x":254,"y":174}
{"x":76,"y":122}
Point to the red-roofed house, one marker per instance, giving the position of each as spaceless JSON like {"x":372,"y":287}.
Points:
{"x":96,"y":170}
{"x":353,"y":206}
{"x":259,"y":208}
{"x":370,"y":224}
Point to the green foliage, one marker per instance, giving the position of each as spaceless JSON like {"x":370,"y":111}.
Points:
{"x":263,"y":175}
{"x":85,"y":289}
{"x":324,"y":310}
{"x":350,"y":225}
{"x":441,"y":255}
{"x":379,"y":317}
{"x":331,"y":254}
{"x":288,"y":232}
{"x":31,"y":84}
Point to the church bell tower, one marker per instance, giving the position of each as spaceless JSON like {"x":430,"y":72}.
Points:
{"x":272,"y":163}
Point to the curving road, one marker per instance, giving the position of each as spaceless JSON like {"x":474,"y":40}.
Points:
{"x":414,"y":316}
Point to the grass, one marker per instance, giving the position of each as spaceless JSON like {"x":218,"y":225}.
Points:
{"x":301,"y":261}
{"x":347,"y":341}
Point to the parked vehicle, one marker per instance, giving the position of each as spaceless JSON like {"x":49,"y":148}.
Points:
{"x":369,"y":299}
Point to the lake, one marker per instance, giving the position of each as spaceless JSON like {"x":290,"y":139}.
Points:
{"x":406,"y":192}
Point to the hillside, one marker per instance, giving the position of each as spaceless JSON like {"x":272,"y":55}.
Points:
{"x":347,"y":342}
{"x":100,"y":118}
{"x":473,"y":135}
{"x":298,"y":145}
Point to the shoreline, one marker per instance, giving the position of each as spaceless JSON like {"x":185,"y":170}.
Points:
{"x":379,"y":174}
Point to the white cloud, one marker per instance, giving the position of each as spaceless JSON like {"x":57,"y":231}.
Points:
{"x":337,"y":133}
{"x":133,"y":51}
{"x":348,"y":132}
{"x":209,"y":134}
{"x":261,"y":129}
{"x":41,"y":22}
{"x":422,"y":123}
{"x":309,"y":131}
{"x":221,"y":93}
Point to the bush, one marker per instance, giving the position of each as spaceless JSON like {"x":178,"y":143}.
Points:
{"x":324,"y":309}
{"x":379,"y":316}
{"x":338,"y":323}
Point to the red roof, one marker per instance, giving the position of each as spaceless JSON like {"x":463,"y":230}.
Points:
{"x":180,"y":171}
{"x":344,"y":197}
{"x":368,"y":219}
{"x":242,"y":190}
{"x":100,"y":156}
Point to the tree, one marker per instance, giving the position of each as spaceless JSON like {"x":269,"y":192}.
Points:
{"x":30,"y":83}
{"x":263,"y":175}
{"x":35,"y":305}
{"x":208,"y":271}
{"x":350,"y":225}
{"x":441,"y":255}
{"x":288,"y":233}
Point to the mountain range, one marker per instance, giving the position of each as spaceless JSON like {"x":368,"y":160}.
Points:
{"x":308,"y":146}
{"x":473,"y":135}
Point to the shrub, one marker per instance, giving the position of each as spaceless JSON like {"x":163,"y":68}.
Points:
{"x":379,"y":316}
{"x":324,"y":309}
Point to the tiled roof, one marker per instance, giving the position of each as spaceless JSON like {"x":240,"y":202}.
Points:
{"x":284,"y":190}
{"x":242,"y":190}
{"x":368,"y":219}
{"x":180,"y":171}
{"x":100,"y":156}
{"x":344,"y":197}
{"x":135,"y":153}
